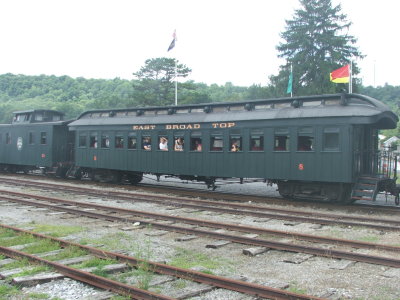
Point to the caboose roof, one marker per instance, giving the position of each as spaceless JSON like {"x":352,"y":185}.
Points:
{"x":367,"y":109}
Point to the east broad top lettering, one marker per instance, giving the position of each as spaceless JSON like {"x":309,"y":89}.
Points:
{"x":184,"y":126}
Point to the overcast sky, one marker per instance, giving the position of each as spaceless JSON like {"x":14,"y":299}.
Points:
{"x":220,"y":40}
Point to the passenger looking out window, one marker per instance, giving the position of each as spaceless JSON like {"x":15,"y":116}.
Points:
{"x":235,"y":145}
{"x":146,"y":143}
{"x":93,"y":140}
{"x":178,"y":146}
{"x":196,"y":144}
{"x":163,"y":144}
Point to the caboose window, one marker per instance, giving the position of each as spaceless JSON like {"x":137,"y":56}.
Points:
{"x":305,"y":139}
{"x":256,"y":140}
{"x":216,"y":142}
{"x":119,"y":140}
{"x":82,"y":140}
{"x":31,"y":139}
{"x":93,"y":140}
{"x":39,"y":117}
{"x":43,"y":138}
{"x":179,"y":142}
{"x":105,"y":140}
{"x":132,"y":141}
{"x":281,"y":140}
{"x":8,"y":138}
{"x":331,"y":139}
{"x":146,"y":143}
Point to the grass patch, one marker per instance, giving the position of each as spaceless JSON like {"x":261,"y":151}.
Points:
{"x":5,"y":233}
{"x":18,"y":240}
{"x":6,"y":291}
{"x":34,"y":270}
{"x":110,"y":241}
{"x":95,"y":262}
{"x":38,"y":296}
{"x":42,"y":246}
{"x":57,"y":231}
{"x":370,"y":239}
{"x":188,"y":259}
{"x":294,"y":288}
{"x":68,"y":252}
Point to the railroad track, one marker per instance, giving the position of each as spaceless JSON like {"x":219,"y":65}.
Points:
{"x":367,"y":208}
{"x":128,"y":261}
{"x":231,"y":208}
{"x":134,"y":216}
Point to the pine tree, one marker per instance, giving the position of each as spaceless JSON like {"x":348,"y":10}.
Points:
{"x":316,"y":43}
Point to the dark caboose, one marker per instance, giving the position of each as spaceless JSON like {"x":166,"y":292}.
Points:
{"x":319,"y":147}
{"x":36,"y":139}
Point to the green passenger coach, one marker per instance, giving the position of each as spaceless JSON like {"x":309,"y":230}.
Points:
{"x":317,"y":147}
{"x":36,"y":139}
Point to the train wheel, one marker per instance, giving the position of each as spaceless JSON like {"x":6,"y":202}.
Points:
{"x":134,"y":178}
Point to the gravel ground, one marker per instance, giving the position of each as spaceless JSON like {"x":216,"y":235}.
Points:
{"x":323,"y":277}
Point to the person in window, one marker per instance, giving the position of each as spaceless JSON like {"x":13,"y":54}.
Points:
{"x":163,"y":144}
{"x":147,"y":144}
{"x":178,"y":144}
{"x":234,"y":146}
{"x":197,"y":145}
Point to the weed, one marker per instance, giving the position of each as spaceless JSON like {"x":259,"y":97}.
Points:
{"x":370,"y":238}
{"x":42,"y":246}
{"x":18,"y":240}
{"x":58,"y":231}
{"x":6,"y":291}
{"x":34,"y":270}
{"x":4,"y":233}
{"x":68,"y":252}
{"x":294,"y":288}
{"x":95,"y":262}
{"x":180,"y":283}
{"x":187,"y":259}
{"x":38,"y":296}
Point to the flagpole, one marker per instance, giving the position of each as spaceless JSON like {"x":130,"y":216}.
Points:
{"x":351,"y":78}
{"x":176,"y":84}
{"x":291,"y":72}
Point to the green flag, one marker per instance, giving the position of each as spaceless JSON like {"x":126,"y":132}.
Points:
{"x":290,"y":83}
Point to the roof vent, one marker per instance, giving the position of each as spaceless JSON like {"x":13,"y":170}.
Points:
{"x":207,"y":109}
{"x":296,"y":103}
{"x":139,"y":112}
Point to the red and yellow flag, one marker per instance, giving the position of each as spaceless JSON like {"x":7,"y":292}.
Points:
{"x":341,"y":75}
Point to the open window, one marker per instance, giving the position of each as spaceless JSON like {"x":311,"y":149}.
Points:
{"x":281,"y":139}
{"x":305,"y":139}
{"x":256,"y":140}
{"x":216,"y":142}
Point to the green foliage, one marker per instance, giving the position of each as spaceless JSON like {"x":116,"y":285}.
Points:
{"x":316,"y":43}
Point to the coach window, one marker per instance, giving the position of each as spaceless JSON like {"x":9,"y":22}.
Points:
{"x":146,"y":143}
{"x":216,"y":142}
{"x":281,"y":140}
{"x":31,"y":139}
{"x":179,"y":142}
{"x":256,"y":140}
{"x":163,"y":141}
{"x":43,"y":138}
{"x":8,"y":138}
{"x":331,"y":139}
{"x":82,"y":140}
{"x":119,"y":140}
{"x":105,"y":140}
{"x":132,"y":141}
{"x":196,"y":142}
{"x":93,"y":143}
{"x":305,"y":139}
{"x":235,"y":143}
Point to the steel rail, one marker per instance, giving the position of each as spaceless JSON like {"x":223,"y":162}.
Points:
{"x":218,"y":281}
{"x":252,"y":210}
{"x":253,"y":198}
{"x":391,"y":262}
{"x":218,"y":225}
{"x":89,"y":278}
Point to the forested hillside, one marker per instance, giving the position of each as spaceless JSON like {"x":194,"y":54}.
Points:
{"x":75,"y":95}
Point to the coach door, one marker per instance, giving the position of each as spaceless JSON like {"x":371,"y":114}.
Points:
{"x":365,"y":150}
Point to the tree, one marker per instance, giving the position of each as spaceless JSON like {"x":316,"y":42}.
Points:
{"x":155,"y":85}
{"x":316,"y":43}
